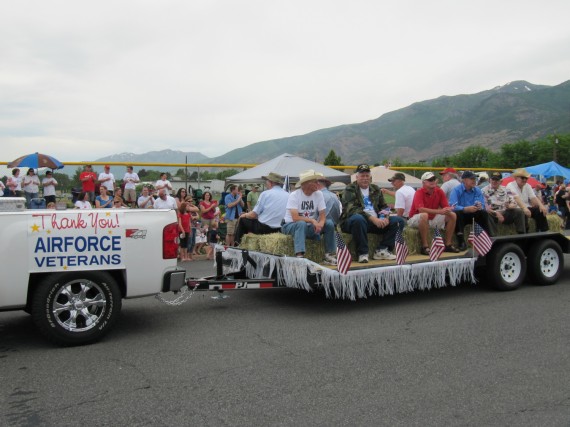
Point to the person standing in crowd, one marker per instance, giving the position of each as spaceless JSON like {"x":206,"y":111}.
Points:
{"x":180,"y":197}
{"x":234,"y":206}
{"x":31,"y":185}
{"x":145,"y":201}
{"x":468,"y":204}
{"x":107,"y":179}
{"x":363,"y":211}
{"x":252,"y":197}
{"x":501,"y":205}
{"x":83,"y":201}
{"x":184,"y":228}
{"x":306,"y":218}
{"x":2,"y":188}
{"x":163,"y":183}
{"x":404,"y":195}
{"x":269,"y":211}
{"x":48,"y":184}
{"x":88,"y":179}
{"x":165,"y":200}
{"x":561,"y":201}
{"x":430,"y":209}
{"x":131,"y":179}
{"x":15,"y":183}
{"x":103,"y":200}
{"x":450,"y":181}
{"x":207,"y":208}
{"x":527,"y":200}
{"x":213,"y":238}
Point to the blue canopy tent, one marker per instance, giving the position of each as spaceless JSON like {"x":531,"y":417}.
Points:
{"x":549,"y":169}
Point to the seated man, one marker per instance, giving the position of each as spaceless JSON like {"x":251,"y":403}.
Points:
{"x":404,"y":195}
{"x":469,"y":204}
{"x":332,"y":202}
{"x":527,"y":200}
{"x":431,"y":210}
{"x":501,"y":205}
{"x":305,"y":217}
{"x":450,"y":181}
{"x":268,"y":212}
{"x":362,"y":205}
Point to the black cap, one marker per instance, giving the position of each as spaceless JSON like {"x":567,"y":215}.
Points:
{"x":496,"y":175}
{"x":363,"y":168}
{"x":398,"y":175}
{"x":468,"y":174}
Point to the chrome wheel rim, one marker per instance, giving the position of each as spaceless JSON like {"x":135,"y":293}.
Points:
{"x":79,"y":305}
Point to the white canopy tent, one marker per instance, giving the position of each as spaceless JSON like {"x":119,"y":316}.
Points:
{"x":286,"y":164}
{"x":381,"y":174}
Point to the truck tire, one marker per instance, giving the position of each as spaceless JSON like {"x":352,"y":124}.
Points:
{"x":506,"y":267}
{"x":76,"y":308}
{"x":545,"y":262}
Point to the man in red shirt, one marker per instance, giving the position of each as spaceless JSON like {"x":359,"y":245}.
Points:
{"x":431,"y":210}
{"x":88,"y":178}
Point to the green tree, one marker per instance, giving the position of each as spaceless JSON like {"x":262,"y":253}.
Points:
{"x":332,"y":159}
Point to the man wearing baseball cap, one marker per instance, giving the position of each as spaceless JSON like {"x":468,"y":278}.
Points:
{"x":501,"y":205}
{"x":431,"y":210}
{"x":450,"y":181}
{"x":404,"y":195}
{"x":363,"y":208}
{"x":107,"y":179}
{"x":469,"y":204}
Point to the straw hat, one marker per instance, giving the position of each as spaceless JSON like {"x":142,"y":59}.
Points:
{"x":309,"y":175}
{"x":521,"y":172}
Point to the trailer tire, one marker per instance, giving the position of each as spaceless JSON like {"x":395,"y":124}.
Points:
{"x":76,"y":308}
{"x":545,"y":262}
{"x":506,"y":267}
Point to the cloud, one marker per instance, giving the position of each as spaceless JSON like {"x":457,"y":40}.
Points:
{"x":85,"y":80}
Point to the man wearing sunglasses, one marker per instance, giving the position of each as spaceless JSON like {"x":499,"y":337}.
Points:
{"x":527,"y":200}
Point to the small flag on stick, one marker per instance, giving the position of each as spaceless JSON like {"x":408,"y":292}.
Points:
{"x":480,"y":240}
{"x":402,"y":251}
{"x":437,"y":246}
{"x":286,"y":184}
{"x":343,"y":257}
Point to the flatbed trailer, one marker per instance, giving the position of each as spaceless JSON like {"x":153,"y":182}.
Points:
{"x":511,"y":260}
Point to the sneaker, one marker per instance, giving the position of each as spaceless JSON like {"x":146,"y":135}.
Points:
{"x":384,"y":254}
{"x":330,"y":259}
{"x":363,"y":258}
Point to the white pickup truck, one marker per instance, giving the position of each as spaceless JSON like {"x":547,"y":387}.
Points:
{"x":71,"y":268}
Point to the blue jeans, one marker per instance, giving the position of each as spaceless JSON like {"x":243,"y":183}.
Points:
{"x":302,"y":230}
{"x":191,"y":240}
{"x":359,"y":226}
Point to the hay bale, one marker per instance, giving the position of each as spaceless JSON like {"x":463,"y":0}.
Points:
{"x":250,"y":242}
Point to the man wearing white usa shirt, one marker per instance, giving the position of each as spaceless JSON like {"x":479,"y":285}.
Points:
{"x":305,"y":217}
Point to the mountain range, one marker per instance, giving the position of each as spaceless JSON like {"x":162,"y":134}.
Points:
{"x":422,"y":131}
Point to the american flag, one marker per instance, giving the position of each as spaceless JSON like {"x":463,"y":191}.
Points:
{"x":343,"y":257}
{"x":480,"y":240}
{"x":286,"y":184}
{"x":402,"y":251}
{"x":437,"y":246}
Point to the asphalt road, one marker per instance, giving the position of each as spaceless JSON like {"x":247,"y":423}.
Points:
{"x":464,"y":356}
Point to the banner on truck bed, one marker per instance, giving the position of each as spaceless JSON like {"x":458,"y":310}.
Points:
{"x":76,"y":240}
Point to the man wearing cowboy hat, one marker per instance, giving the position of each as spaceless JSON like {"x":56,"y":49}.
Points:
{"x":269,"y":211}
{"x":527,"y":200}
{"x":362,"y":213}
{"x":305,"y":217}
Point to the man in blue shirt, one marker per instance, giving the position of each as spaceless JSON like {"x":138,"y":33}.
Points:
{"x":468,"y":203}
{"x":269,"y":211}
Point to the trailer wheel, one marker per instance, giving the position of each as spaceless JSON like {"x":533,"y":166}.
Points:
{"x":76,"y":308}
{"x":506,"y":267}
{"x":545,"y":262}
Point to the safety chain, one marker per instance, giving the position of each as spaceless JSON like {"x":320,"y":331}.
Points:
{"x":179,"y":300}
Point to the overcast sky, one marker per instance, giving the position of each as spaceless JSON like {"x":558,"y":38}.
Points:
{"x":82,"y":80}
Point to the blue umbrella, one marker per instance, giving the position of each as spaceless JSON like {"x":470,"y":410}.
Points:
{"x":36,"y":161}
